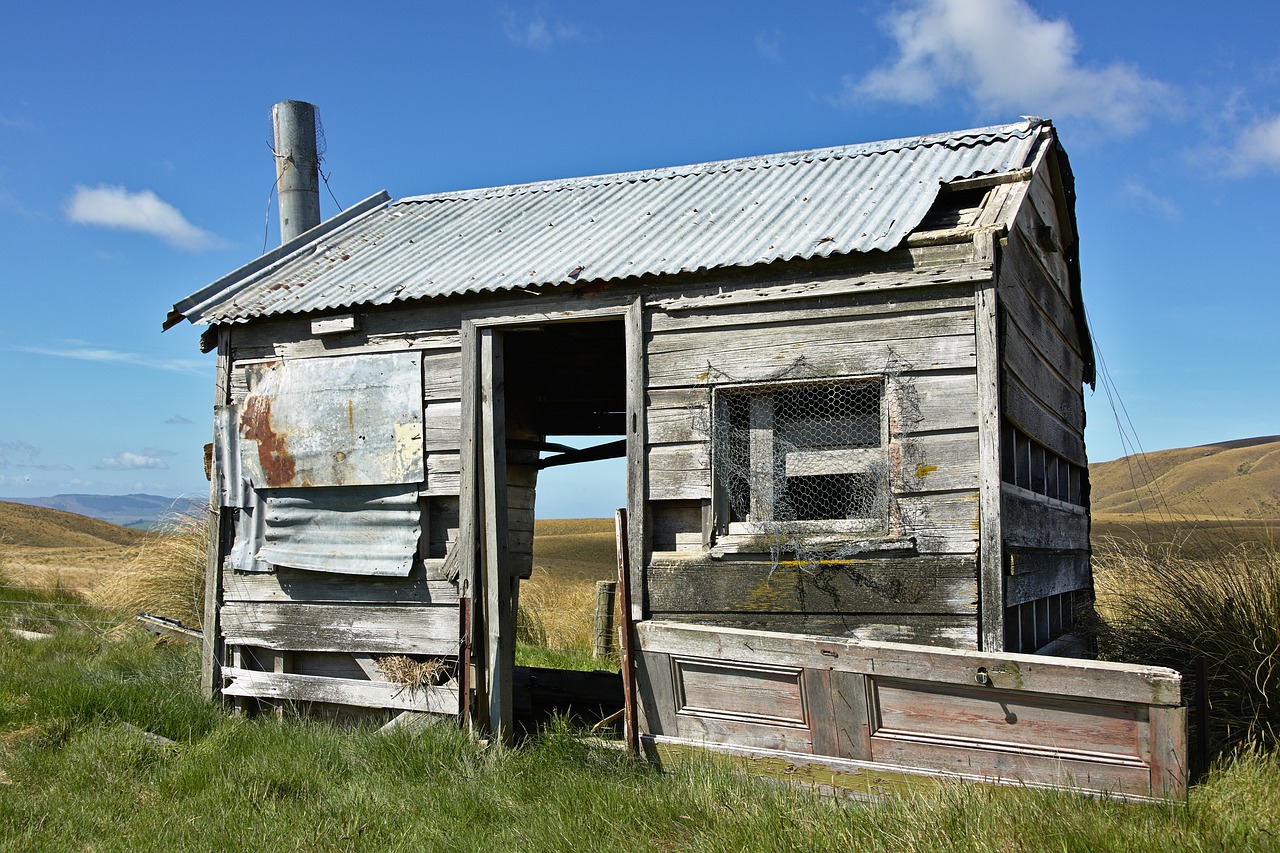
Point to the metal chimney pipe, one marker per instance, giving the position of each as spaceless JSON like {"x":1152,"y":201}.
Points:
{"x":297,"y":167}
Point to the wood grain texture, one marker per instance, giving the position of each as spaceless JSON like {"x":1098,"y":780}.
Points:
{"x":1033,"y":522}
{"x":340,"y":691}
{"x":906,"y":585}
{"x":294,"y":585}
{"x":376,"y":629}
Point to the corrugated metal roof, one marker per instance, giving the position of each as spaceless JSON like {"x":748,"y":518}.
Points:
{"x":741,"y":212}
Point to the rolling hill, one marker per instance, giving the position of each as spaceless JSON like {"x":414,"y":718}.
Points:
{"x":1236,"y":480}
{"x":28,"y":526}
{"x":140,"y":511}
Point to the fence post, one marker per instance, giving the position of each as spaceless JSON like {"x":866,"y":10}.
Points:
{"x":606,"y":594}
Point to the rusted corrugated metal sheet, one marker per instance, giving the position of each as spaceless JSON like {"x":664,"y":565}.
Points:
{"x":361,"y":530}
{"x":352,"y":420}
{"x":665,"y":221}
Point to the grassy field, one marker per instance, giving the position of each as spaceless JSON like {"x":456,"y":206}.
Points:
{"x":81,"y":766}
{"x":81,"y":769}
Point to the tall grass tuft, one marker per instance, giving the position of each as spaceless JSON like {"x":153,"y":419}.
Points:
{"x":165,"y":576}
{"x":1158,"y":607}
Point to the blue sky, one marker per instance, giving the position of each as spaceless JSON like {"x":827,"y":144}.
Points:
{"x":134,"y":169}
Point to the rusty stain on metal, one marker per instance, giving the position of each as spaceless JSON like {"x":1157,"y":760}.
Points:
{"x":273,"y":451}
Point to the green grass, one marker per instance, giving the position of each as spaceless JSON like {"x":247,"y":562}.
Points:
{"x":77,"y":773}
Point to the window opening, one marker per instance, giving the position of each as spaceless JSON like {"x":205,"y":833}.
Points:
{"x":795,"y":461}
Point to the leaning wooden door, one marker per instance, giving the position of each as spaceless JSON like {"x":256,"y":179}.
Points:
{"x":870,"y":717}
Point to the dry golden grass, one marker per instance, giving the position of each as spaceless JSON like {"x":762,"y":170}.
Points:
{"x":1155,"y":605}
{"x":557,"y":611}
{"x":165,"y":576}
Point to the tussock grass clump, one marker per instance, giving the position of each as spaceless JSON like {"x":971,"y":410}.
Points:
{"x":165,"y":575}
{"x":1158,"y":607}
{"x":556,"y":612}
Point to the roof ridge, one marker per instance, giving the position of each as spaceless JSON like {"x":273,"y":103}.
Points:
{"x":756,"y":161}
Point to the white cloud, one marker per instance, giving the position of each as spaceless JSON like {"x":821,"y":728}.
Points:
{"x":1008,"y":60}
{"x":85,"y":352}
{"x":144,"y":211}
{"x":1144,"y":195}
{"x":769,"y":45}
{"x":535,"y":31}
{"x":126,"y":461}
{"x":179,"y":420}
{"x":1257,"y":147}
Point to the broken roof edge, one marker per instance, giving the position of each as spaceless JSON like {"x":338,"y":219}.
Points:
{"x":1028,"y":125}
{"x":226,"y":285}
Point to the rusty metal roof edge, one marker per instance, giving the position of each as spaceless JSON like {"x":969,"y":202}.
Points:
{"x":759,"y":161}
{"x":239,"y":278}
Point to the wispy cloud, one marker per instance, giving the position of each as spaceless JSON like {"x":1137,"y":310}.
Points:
{"x":535,"y":31}
{"x":179,"y":420}
{"x":142,"y":211}
{"x":1257,"y":148}
{"x":126,"y":461}
{"x":21,"y":454}
{"x":18,"y":123}
{"x":769,"y":45}
{"x":12,"y":450}
{"x":156,"y":451}
{"x":1006,"y":59}
{"x":1143,"y":195}
{"x":86,"y":352}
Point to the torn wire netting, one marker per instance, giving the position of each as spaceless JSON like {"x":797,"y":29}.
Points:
{"x":802,"y":467}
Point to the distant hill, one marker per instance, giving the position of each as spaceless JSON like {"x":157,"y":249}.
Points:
{"x":40,"y":527}
{"x":1229,"y":480}
{"x":139,"y":511}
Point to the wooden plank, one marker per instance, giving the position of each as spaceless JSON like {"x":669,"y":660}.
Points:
{"x":295,"y":585}
{"x":442,"y":375}
{"x":802,"y":351}
{"x":444,"y":474}
{"x":922,"y":464}
{"x":1100,"y":680}
{"x":904,"y":585}
{"x":677,"y":525}
{"x":990,"y":554}
{"x":678,"y":416}
{"x":832,"y":301}
{"x":499,"y":611}
{"x":1038,"y":307}
{"x":340,"y":691}
{"x":1037,"y":376}
{"x":679,"y":471}
{"x":638,"y":488}
{"x":631,"y":712}
{"x":860,"y":285}
{"x":1029,"y":521}
{"x":409,"y":629}
{"x":1066,"y":573}
{"x":213,"y":651}
{"x":442,"y":425}
{"x":940,"y":523}
{"x":1168,"y":753}
{"x":1045,"y":426}
{"x":655,"y":696}
{"x":933,"y":714}
{"x":942,"y":630}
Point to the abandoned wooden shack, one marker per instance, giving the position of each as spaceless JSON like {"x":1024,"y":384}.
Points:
{"x":848,"y":386}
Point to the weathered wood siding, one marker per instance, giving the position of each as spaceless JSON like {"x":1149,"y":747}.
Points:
{"x":867,"y":717}
{"x":914,"y":327}
{"x":1044,"y":493}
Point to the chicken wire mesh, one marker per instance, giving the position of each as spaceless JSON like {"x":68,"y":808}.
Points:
{"x":788,"y":456}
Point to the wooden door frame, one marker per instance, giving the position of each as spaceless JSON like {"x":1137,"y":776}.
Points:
{"x":484,"y":569}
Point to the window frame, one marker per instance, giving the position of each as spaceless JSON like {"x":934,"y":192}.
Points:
{"x":822,"y":461}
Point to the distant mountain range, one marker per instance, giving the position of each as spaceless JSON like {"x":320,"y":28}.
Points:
{"x":137,"y":511}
